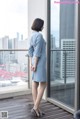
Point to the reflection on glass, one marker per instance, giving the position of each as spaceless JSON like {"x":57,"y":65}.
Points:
{"x":55,"y":15}
{"x":62,"y":59}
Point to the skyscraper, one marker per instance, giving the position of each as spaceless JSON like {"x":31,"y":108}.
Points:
{"x":67,"y":16}
{"x":68,"y":58}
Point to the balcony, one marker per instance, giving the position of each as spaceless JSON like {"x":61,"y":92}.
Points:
{"x":62,"y":72}
{"x":15,"y":87}
{"x":19,"y":108}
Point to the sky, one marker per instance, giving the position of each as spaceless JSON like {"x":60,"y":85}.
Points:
{"x":55,"y":18}
{"x":55,"y":9}
{"x":13,"y":18}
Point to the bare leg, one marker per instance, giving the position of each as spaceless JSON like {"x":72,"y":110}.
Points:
{"x":41,"y":89}
{"x":34,"y":90}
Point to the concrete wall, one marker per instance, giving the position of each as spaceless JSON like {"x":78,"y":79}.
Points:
{"x":37,"y":9}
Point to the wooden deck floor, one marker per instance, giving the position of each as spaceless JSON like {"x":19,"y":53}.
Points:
{"x":19,"y":108}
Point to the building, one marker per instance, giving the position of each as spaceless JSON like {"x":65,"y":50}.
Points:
{"x":68,"y":59}
{"x":67,"y":25}
{"x":10,"y":57}
{"x":55,"y":60}
{"x":52,"y":44}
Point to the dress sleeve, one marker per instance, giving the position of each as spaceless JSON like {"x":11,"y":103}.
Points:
{"x":30,"y":50}
{"x":38,"y":46}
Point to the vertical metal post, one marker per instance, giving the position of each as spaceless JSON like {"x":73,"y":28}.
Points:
{"x":77,"y":81}
{"x":65,"y":67}
{"x":48,"y":48}
{"x":28,"y":73}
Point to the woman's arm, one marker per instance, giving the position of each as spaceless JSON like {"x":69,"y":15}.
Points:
{"x":34,"y":67}
{"x":35,"y":61}
{"x":37,"y":51}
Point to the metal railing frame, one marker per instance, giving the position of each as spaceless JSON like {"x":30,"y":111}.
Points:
{"x":65,"y":55}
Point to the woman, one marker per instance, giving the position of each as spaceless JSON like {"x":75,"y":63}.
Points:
{"x":37,"y":54}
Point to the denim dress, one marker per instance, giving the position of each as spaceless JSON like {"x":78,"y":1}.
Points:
{"x":37,"y":48}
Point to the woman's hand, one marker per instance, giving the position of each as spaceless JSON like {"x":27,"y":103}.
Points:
{"x":33,"y":68}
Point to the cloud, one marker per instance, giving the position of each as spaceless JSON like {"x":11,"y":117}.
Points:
{"x":13,"y":17}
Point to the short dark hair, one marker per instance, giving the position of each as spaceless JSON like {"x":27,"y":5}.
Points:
{"x":37,"y":24}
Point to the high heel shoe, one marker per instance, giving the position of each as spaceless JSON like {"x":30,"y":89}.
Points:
{"x":41,"y":113}
{"x":35,"y":113}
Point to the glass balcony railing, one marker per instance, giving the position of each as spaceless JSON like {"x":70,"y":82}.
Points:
{"x":62,"y":76}
{"x":14,"y":68}
{"x":62,"y":66}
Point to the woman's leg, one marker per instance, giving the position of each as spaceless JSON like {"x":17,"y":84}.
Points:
{"x":34,"y":90}
{"x":41,"y":89}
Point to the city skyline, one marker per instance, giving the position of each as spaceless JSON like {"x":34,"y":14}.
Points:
{"x":18,"y":35}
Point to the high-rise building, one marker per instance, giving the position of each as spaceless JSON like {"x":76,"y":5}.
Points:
{"x":52,"y":44}
{"x":55,"y":60}
{"x":8,"y":43}
{"x":4,"y":45}
{"x":68,"y":58}
{"x":5,"y":40}
{"x":67,"y":17}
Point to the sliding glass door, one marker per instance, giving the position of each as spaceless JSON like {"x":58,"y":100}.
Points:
{"x":62,"y":52}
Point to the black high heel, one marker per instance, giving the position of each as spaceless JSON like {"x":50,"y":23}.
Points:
{"x":41,"y":113}
{"x":33,"y":111}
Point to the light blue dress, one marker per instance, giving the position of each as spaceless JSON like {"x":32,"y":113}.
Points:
{"x":38,"y":49}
